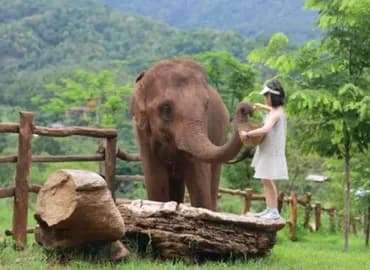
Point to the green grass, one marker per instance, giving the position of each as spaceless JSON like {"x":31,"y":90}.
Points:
{"x":311,"y":251}
{"x":317,"y":251}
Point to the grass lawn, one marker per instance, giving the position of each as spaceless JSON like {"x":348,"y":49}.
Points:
{"x":312,"y":251}
{"x":315,"y":252}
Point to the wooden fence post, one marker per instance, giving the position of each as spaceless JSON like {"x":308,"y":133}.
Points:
{"x":317,"y":216}
{"x":332,"y":219}
{"x":293,"y":216}
{"x":307,"y":210}
{"x":24,"y":161}
{"x":110,"y":163}
{"x":247,"y":200}
{"x":280,"y":201}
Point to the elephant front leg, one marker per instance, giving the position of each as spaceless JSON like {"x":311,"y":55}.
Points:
{"x":215,"y":182}
{"x":197,"y":177}
{"x":156,"y":180}
{"x":155,"y":174}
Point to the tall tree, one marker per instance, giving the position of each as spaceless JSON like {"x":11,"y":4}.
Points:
{"x":232,"y":78}
{"x":329,"y":83}
{"x":96,"y":97}
{"x":347,"y":35}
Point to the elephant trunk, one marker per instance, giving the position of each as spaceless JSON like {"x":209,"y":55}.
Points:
{"x":196,"y":141}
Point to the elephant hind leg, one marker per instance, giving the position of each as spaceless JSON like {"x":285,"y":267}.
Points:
{"x":177,"y":189}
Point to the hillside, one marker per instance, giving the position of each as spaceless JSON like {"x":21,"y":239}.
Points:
{"x":250,"y":18}
{"x":42,"y":39}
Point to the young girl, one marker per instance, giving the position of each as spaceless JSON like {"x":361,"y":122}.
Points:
{"x":269,"y":159}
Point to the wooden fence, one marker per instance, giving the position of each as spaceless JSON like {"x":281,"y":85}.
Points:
{"x":107,"y":154}
{"x":293,"y":201}
{"x":24,"y":159}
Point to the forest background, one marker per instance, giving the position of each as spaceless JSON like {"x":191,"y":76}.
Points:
{"x":73,"y":63}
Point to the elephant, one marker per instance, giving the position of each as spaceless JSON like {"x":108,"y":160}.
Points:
{"x":181,"y":123}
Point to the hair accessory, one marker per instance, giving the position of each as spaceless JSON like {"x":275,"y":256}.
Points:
{"x":266,"y":89}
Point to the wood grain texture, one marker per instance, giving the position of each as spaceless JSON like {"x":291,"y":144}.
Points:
{"x":181,"y":231}
{"x":75,"y":207}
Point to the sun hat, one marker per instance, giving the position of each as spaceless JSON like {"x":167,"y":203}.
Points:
{"x":267,"y":89}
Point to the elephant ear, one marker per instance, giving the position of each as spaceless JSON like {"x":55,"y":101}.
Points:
{"x":138,"y":103}
{"x":139,"y":77}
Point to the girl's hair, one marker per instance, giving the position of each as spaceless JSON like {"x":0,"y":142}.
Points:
{"x":276,"y":100}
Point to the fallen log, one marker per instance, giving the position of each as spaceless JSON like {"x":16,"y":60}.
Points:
{"x":179,"y":231}
{"x":75,"y":207}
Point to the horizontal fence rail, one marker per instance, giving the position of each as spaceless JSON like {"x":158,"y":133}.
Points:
{"x":61,"y":132}
{"x":54,"y":158}
{"x":9,"y":128}
{"x":81,"y":131}
{"x":24,"y":159}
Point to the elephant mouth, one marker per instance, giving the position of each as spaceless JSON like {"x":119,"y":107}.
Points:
{"x":165,"y":148}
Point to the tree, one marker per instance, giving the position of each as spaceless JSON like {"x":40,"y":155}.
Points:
{"x":232,"y":79}
{"x":102,"y":102}
{"x":346,"y":37}
{"x":329,"y":84}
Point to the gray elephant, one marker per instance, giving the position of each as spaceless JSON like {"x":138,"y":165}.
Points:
{"x":181,"y":124}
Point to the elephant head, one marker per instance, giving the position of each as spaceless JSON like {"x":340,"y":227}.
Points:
{"x":175,"y":106}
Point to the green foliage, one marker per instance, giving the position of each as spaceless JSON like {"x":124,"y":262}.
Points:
{"x":239,"y":176}
{"x":45,"y":40}
{"x":329,"y":83}
{"x":251,"y":18}
{"x":345,"y":23}
{"x":332,"y":119}
{"x":103,"y":101}
{"x":228,"y":75}
{"x":273,"y":53}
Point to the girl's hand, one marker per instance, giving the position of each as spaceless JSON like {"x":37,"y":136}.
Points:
{"x":242,"y":133}
{"x":257,"y":106}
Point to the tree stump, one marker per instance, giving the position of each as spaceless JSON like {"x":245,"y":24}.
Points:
{"x":180,"y":231}
{"x":75,"y":207}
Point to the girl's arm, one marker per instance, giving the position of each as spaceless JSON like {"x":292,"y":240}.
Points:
{"x":259,"y":106}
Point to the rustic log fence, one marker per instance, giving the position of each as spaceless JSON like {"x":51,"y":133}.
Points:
{"x":293,"y":201}
{"x":107,"y":154}
{"x":24,"y":158}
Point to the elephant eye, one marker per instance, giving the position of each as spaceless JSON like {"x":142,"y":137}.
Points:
{"x":165,"y":111}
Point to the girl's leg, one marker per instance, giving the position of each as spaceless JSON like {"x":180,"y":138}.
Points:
{"x":270,"y":193}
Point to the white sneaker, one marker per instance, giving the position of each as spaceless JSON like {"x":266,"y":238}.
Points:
{"x":258,"y":214}
{"x":271,"y":213}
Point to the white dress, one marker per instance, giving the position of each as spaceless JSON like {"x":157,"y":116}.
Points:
{"x":269,"y":160}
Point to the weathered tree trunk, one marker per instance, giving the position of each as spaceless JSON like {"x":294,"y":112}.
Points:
{"x":180,"y":231}
{"x":75,"y":207}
